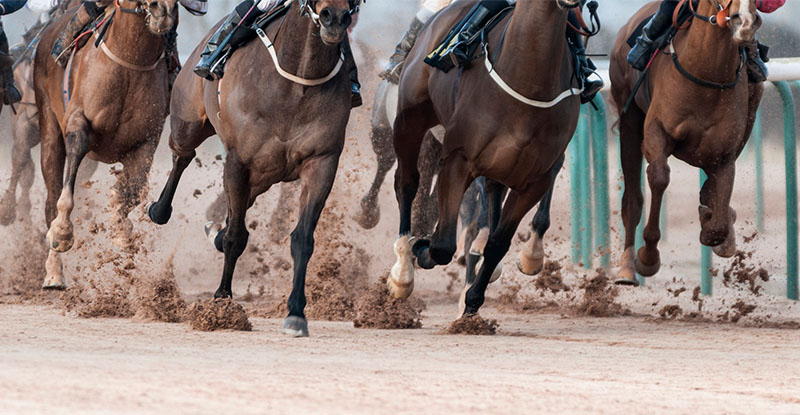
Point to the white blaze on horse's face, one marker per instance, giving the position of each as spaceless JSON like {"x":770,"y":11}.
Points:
{"x":334,"y":19}
{"x":743,"y":20}
{"x":161,"y":15}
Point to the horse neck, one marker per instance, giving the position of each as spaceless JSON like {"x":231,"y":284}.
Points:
{"x":534,"y":44}
{"x":129,"y":38}
{"x":300,"y":50}
{"x":710,"y":52}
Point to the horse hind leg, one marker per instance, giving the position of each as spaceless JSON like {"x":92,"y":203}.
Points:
{"x":22,"y":171}
{"x":60,"y":236}
{"x":317,"y":178}
{"x":716,"y":216}
{"x":370,"y":214}
{"x":530,"y":260}
{"x":491,"y":194}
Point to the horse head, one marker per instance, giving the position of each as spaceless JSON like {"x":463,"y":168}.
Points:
{"x":160,"y":14}
{"x":333,"y":17}
{"x":744,"y":20}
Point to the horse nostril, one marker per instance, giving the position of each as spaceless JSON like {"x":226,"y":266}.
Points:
{"x":326,"y":16}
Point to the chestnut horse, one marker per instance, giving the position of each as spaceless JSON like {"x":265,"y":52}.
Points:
{"x":492,"y":130}
{"x":114,"y":113}
{"x":275,"y":129}
{"x":706,"y":126}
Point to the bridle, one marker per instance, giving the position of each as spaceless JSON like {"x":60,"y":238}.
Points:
{"x":141,"y":8}
{"x":722,"y":18}
{"x":308,"y":9}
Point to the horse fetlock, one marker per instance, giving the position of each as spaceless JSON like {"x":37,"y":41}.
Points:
{"x":471,"y":301}
{"x":60,"y":236}
{"x":530,"y":260}
{"x":369,"y":216}
{"x":401,"y":277}
{"x":711,"y":236}
{"x":647,"y":262}
{"x":54,"y":277}
{"x":441,"y":255}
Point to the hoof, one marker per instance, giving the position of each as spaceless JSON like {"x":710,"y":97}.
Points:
{"x":8,"y":212}
{"x":54,"y":278}
{"x":728,"y":248}
{"x":158,"y":220}
{"x":122,"y":233}
{"x":214,"y":235}
{"x":496,"y":274}
{"x":530,"y":260}
{"x":646,"y":270}
{"x":626,"y":267}
{"x":295,"y":326}
{"x":399,"y":290}
{"x":59,"y":243}
{"x":367,"y":218}
{"x":627,"y":282}
{"x":462,"y":301}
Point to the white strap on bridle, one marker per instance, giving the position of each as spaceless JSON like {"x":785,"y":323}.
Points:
{"x":294,"y":78}
{"x":519,"y":97}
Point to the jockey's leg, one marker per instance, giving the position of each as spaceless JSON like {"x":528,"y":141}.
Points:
{"x":85,"y":14}
{"x":242,"y":16}
{"x":11,"y":94}
{"x":641,"y":53}
{"x":756,"y":56}
{"x":392,"y":71}
{"x":350,"y":62}
{"x":484,"y":11}
{"x":587,"y":68}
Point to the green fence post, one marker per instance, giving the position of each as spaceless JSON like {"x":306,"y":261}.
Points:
{"x":790,"y":150}
{"x":758,"y":146}
{"x":602,"y":233}
{"x":585,"y":172}
{"x":576,"y":196}
{"x":706,"y":283}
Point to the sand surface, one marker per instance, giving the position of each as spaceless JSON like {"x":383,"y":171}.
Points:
{"x":536,"y":363}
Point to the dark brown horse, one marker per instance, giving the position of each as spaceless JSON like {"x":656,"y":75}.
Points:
{"x":115,"y":113}
{"x":274,"y":130}
{"x":706,"y":126}
{"x":501,"y":132}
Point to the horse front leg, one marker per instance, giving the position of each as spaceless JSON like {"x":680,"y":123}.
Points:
{"x":236,"y":182}
{"x":26,"y":136}
{"x":129,"y":190}
{"x":657,"y":149}
{"x":492,"y":194}
{"x":408,"y":134}
{"x":317,"y":176}
{"x":530,"y":260}
{"x":515,"y":208}
{"x":453,"y":182}
{"x":60,"y":236}
{"x":631,"y":131}
{"x":717,"y":217}
{"x":184,"y":139}
{"x":52,"y":165}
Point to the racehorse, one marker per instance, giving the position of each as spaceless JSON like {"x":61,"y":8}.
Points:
{"x":698,"y":107}
{"x":281,"y":117}
{"x":492,"y":130}
{"x":111,"y":107}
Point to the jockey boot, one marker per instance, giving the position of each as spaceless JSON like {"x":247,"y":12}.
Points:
{"x":590,"y":86}
{"x":395,"y":66}
{"x":11,"y":94}
{"x":209,"y":66}
{"x":171,"y":55}
{"x":756,"y":56}
{"x":645,"y":46}
{"x":62,"y":48}
{"x":355,"y":86}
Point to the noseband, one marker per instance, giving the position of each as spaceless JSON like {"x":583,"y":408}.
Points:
{"x":308,"y":7}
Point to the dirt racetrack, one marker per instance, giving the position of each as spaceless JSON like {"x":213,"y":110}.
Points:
{"x":537,"y":363}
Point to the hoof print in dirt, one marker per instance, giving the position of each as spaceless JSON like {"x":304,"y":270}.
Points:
{"x":218,"y":314}
{"x":295,"y":326}
{"x":473,"y":324}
